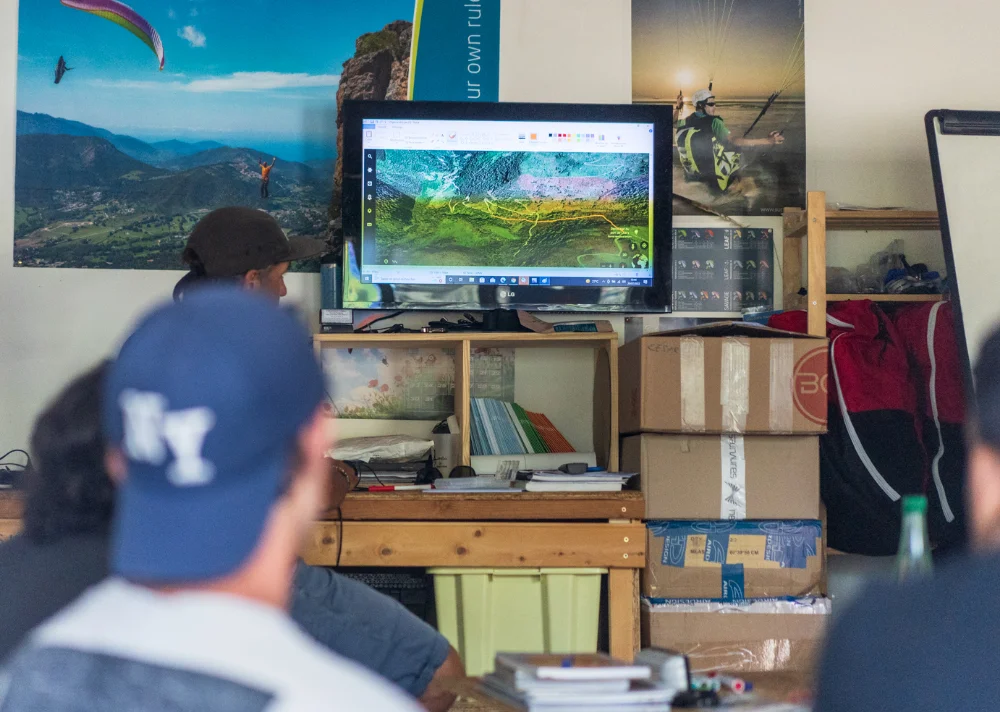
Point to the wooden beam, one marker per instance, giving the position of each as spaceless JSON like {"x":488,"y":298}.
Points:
{"x":493,"y":506}
{"x":623,"y":613}
{"x":816,"y":253}
{"x":527,"y":506}
{"x":502,"y":545}
{"x":863,"y":220}
{"x":519,"y":339}
{"x":794,"y":222}
{"x":463,"y":400}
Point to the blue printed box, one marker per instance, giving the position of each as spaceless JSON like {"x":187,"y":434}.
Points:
{"x":733,"y":560}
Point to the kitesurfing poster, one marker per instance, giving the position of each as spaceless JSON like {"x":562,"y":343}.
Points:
{"x":135,"y":120}
{"x":734,"y":70}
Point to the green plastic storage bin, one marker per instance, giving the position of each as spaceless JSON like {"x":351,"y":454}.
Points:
{"x":485,"y":611}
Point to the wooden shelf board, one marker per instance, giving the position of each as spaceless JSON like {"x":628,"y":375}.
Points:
{"x":882,"y":220}
{"x":496,"y":506}
{"x":885,"y":297}
{"x":479,"y":338}
{"x":864,"y":220}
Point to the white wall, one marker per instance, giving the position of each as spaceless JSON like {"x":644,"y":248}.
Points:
{"x":872,"y":70}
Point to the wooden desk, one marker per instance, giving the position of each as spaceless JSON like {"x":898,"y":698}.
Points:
{"x":567,"y":530}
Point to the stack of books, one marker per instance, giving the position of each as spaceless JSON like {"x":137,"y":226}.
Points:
{"x":555,"y":481}
{"x":376,"y":474}
{"x":589,"y":681}
{"x":500,"y":428}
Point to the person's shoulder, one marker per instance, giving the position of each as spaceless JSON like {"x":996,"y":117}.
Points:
{"x":892,"y":628}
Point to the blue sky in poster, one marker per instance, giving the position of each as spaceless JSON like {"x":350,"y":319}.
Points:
{"x":255,"y":72}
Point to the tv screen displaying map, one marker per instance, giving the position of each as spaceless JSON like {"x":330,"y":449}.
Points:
{"x":542,"y":204}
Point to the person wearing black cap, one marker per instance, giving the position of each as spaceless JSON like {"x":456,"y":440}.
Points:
{"x":929,"y":645}
{"x":220,"y":470}
{"x":247,"y":246}
{"x":243,"y":245}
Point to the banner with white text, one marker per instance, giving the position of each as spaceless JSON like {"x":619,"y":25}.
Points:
{"x":456,"y":51}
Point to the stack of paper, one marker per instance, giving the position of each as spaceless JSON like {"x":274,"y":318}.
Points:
{"x":555,"y":481}
{"x":589,"y":681}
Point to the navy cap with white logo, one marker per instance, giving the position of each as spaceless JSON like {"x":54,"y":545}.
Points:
{"x":206,"y":399}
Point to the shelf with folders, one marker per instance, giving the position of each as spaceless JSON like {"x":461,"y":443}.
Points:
{"x":605,"y":386}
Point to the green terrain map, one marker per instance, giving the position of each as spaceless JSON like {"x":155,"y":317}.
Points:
{"x":512,"y":209}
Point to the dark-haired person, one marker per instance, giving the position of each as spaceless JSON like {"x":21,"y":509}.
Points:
{"x":63,"y":546}
{"x":932,"y":645}
{"x":204,"y":539}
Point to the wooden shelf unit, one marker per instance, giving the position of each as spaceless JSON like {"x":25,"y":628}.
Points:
{"x":605,"y":346}
{"x":813,"y":223}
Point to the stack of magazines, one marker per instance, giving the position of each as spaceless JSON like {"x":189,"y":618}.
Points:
{"x":556,"y":481}
{"x":590,"y":681}
{"x":500,"y":428}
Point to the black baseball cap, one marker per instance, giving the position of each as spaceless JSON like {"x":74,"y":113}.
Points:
{"x":229,"y":242}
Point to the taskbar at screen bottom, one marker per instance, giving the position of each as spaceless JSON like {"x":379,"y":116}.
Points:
{"x":505,"y":281}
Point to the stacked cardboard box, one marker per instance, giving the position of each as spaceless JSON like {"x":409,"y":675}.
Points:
{"x":723,"y":424}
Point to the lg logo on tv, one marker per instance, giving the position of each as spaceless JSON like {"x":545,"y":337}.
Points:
{"x":504,"y":294}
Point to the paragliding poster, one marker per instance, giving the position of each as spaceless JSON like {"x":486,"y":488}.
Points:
{"x":734,"y":70}
{"x":135,"y":120}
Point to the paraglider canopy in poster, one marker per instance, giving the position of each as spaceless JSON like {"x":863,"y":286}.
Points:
{"x":124,"y":16}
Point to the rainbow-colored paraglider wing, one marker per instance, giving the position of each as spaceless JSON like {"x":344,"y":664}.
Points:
{"x":121,"y":14}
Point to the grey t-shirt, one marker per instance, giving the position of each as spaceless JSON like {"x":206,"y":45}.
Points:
{"x":121,"y":646}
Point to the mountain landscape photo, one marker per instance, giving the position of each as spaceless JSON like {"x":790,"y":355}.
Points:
{"x":121,"y":151}
{"x":85,"y":197}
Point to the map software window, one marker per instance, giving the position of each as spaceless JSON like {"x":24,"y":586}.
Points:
{"x":507,"y":202}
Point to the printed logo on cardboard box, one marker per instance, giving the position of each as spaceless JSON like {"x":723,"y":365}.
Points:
{"x":811,"y":388}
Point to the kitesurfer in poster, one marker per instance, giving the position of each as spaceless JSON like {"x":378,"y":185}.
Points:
{"x":265,"y":177}
{"x":708,"y":151}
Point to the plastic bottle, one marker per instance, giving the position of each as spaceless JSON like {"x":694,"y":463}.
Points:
{"x":914,"y":557}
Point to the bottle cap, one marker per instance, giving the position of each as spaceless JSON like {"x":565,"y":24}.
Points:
{"x":914,"y":504}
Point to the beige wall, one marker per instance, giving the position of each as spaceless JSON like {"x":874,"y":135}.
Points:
{"x":873,"y":68}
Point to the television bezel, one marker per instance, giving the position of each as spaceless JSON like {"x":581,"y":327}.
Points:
{"x":655,"y":298}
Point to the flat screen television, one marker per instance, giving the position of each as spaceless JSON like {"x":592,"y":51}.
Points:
{"x":481,"y":206}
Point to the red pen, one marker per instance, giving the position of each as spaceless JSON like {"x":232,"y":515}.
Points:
{"x":396,"y":488}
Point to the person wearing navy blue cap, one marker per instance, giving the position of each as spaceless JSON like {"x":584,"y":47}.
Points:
{"x":246,"y":247}
{"x":216,"y":435}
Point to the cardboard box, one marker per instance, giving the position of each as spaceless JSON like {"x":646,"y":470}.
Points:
{"x":771,"y":636}
{"x":729,"y":377}
{"x":726,"y":476}
{"x":733,"y":561}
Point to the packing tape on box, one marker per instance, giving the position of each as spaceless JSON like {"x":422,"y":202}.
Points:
{"x":692,"y":384}
{"x":782,"y":366}
{"x":734,"y":478}
{"x":735,"y":389}
{"x":788,"y":543}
